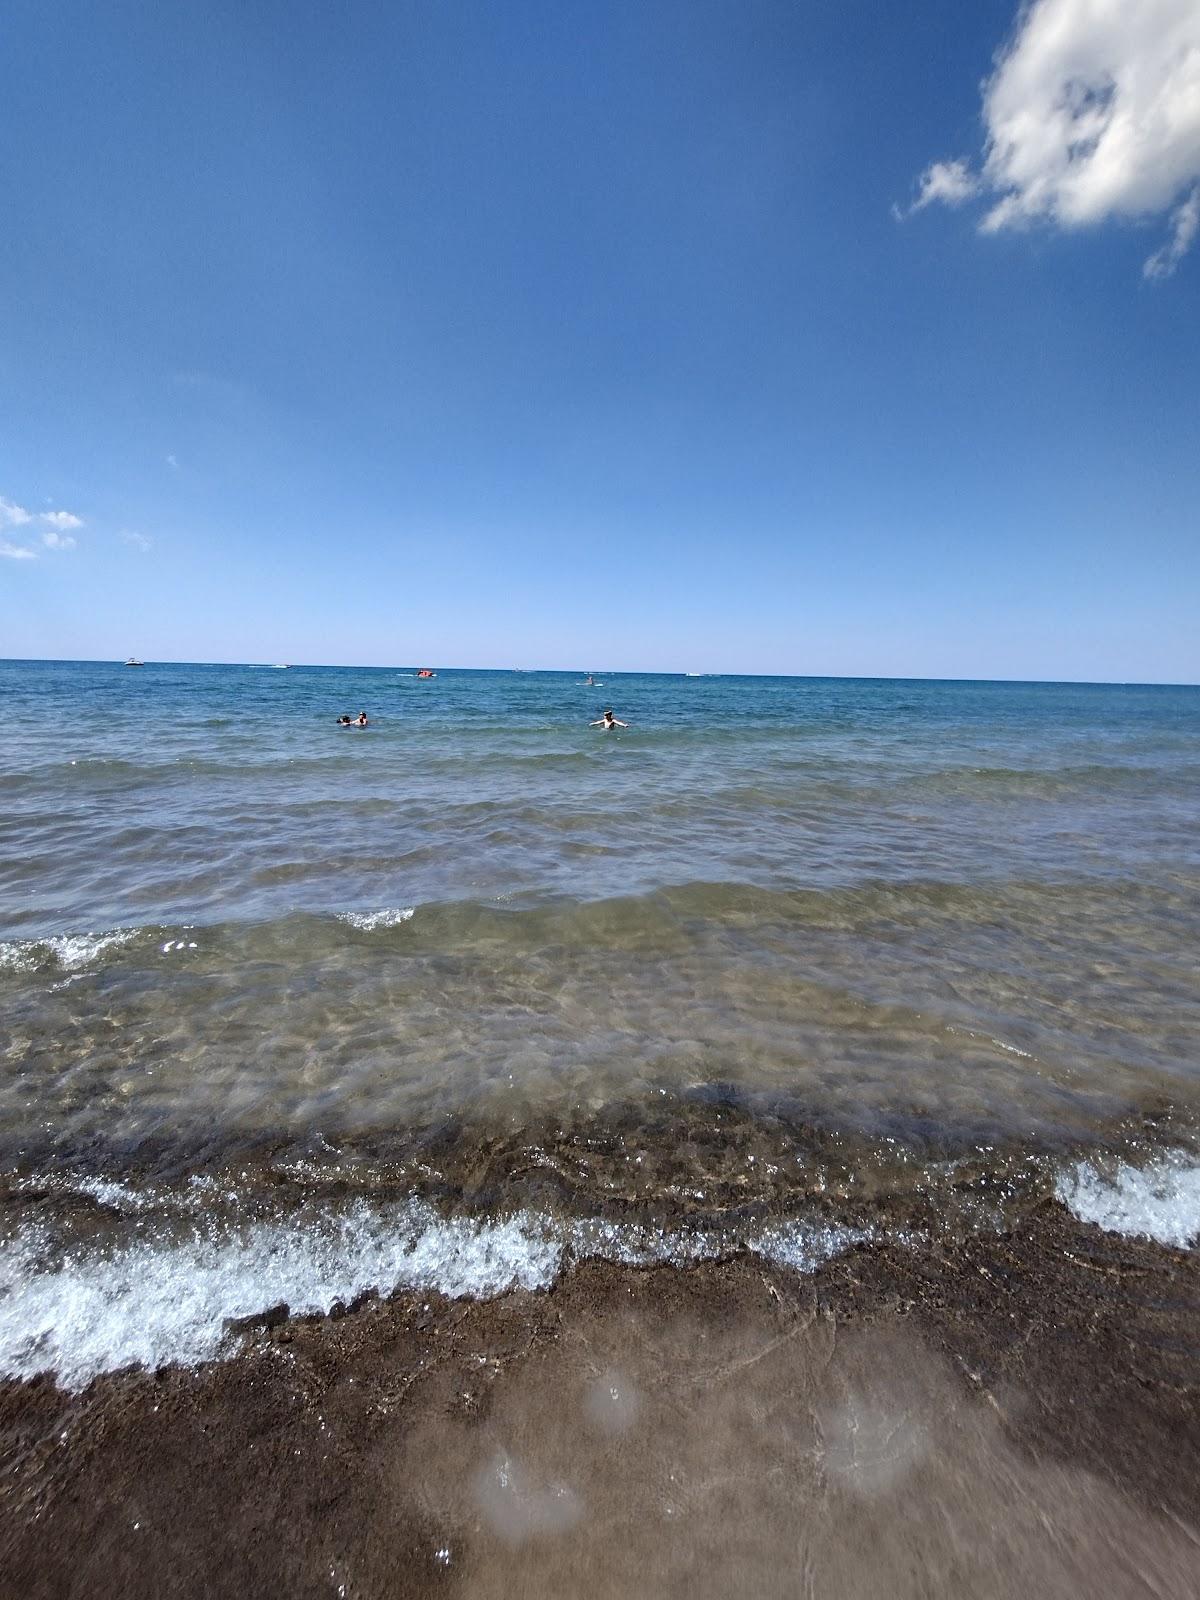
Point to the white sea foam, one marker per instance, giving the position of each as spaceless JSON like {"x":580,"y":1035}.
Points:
{"x":157,"y":1302}
{"x":368,"y":921}
{"x":1160,"y":1200}
{"x":804,"y":1246}
{"x":1012,"y":1049}
{"x":120,"y":1196}
{"x":70,"y":951}
{"x":633,"y":1246}
{"x":169,"y":1300}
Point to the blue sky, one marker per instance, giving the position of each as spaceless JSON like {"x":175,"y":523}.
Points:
{"x":632,"y":335}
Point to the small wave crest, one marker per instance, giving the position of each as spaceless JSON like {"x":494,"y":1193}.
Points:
{"x":71,"y":952}
{"x":1159,"y":1201}
{"x":80,"y":952}
{"x":369,"y":921}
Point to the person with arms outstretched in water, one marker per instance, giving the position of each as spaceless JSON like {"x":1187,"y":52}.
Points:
{"x":608,"y":721}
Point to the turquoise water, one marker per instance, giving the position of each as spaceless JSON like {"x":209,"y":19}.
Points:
{"x":785,"y":952}
{"x":167,"y":794}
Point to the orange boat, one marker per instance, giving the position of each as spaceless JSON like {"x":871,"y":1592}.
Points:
{"x":426,"y":672}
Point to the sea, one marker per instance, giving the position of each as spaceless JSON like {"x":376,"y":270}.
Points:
{"x":291,"y":1012}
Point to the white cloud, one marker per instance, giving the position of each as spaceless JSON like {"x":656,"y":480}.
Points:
{"x":56,"y":532}
{"x":1092,"y":113}
{"x":173,"y":463}
{"x":951,"y":182}
{"x":12,"y":516}
{"x":1185,"y":225}
{"x":138,"y":539}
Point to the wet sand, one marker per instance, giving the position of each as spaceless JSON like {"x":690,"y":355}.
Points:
{"x":1011,"y":1415}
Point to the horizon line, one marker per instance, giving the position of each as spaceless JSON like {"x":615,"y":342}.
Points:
{"x":629,"y":672}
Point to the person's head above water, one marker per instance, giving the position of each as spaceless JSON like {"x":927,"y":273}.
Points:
{"x":362,"y":717}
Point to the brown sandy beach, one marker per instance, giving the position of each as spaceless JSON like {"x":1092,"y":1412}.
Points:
{"x":1011,"y":1415}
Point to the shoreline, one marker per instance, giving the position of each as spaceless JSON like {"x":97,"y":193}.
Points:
{"x":994,"y":1415}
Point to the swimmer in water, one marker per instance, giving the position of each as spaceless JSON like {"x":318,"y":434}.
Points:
{"x":608,"y":721}
{"x":343,"y":722}
{"x":361,"y":720}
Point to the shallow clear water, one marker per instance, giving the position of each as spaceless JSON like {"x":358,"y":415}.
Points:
{"x":876,"y":953}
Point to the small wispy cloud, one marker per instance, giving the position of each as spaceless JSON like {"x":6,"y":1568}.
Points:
{"x":1091,"y":115}
{"x":56,"y":529}
{"x":138,"y":540}
{"x":1184,"y":226}
{"x":13,"y":516}
{"x":173,"y":463}
{"x":62,"y":520}
{"x":948,"y":182}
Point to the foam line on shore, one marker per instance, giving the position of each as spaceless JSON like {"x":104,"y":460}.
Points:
{"x":165,"y":1296}
{"x":157,"y":1301}
{"x":1159,"y":1201}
